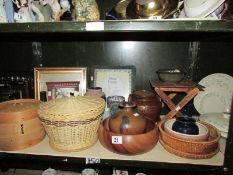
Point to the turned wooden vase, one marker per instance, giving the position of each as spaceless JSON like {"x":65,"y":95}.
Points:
{"x":127,"y":120}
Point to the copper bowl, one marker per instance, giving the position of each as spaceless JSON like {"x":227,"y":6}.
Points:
{"x":129,"y":144}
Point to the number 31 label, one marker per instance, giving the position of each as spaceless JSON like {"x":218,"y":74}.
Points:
{"x":116,"y":139}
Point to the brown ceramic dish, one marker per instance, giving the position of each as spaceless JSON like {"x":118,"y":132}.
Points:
{"x":170,"y":75}
{"x":148,"y":104}
{"x":131,"y":144}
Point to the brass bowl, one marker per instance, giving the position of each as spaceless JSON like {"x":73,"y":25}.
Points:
{"x":120,"y":9}
{"x":131,"y":144}
{"x":151,"y":9}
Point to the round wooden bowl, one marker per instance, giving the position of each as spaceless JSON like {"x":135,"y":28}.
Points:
{"x":191,"y":147}
{"x":128,"y":144}
{"x":20,"y":126}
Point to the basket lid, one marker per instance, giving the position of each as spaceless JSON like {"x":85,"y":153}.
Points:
{"x":20,"y":105}
{"x":68,"y":106}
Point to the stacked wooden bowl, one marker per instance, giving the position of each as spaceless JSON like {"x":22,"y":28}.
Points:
{"x":127,"y":132}
{"x":188,"y":148}
{"x":20,"y":126}
{"x":129,"y":144}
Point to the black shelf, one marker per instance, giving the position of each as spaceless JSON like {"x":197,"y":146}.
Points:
{"x":188,"y":30}
{"x":121,"y":26}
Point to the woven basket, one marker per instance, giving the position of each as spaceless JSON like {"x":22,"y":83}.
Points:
{"x":72,"y":123}
{"x":190,"y":149}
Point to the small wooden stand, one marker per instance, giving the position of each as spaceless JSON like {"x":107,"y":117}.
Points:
{"x":189,"y":87}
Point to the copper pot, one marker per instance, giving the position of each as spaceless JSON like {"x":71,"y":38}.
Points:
{"x":148,"y":104}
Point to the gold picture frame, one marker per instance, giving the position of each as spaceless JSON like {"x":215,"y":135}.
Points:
{"x":56,"y":81}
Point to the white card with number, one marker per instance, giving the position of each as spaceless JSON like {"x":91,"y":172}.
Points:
{"x":116,"y":139}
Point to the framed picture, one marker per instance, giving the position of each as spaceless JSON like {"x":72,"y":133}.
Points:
{"x":58,"y":82}
{"x":115,"y":81}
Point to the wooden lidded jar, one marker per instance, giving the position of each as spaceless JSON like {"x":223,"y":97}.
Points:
{"x":127,"y":121}
{"x":20,"y":126}
{"x":148,"y":104}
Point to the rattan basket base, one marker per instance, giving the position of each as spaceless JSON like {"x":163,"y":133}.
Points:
{"x":188,"y":155}
{"x":62,"y":148}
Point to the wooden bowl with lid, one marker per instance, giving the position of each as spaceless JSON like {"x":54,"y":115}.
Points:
{"x":20,"y":126}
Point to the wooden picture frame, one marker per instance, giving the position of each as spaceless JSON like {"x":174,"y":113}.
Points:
{"x":58,"y":82}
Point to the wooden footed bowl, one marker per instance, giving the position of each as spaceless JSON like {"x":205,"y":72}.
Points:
{"x":129,"y":144}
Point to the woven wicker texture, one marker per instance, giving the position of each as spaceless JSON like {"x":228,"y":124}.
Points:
{"x":188,"y":155}
{"x":191,"y":149}
{"x":72,"y":123}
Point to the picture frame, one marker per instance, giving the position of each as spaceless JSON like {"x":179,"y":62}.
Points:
{"x":114,"y":80}
{"x":58,"y":82}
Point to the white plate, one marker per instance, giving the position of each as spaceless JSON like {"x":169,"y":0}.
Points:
{"x":213,"y":100}
{"x":224,"y":134}
{"x":217,"y":94}
{"x":218,"y":79}
{"x":219,"y":120}
{"x":201,"y":8}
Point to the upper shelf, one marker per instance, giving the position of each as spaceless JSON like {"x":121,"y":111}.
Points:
{"x":121,"y":26}
{"x":126,"y":29}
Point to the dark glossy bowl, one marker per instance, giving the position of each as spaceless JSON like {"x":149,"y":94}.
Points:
{"x":131,"y":144}
{"x":170,"y":75}
{"x":202,"y":136}
{"x":185,"y":125}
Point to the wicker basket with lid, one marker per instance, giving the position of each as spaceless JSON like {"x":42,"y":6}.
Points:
{"x":72,"y":123}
